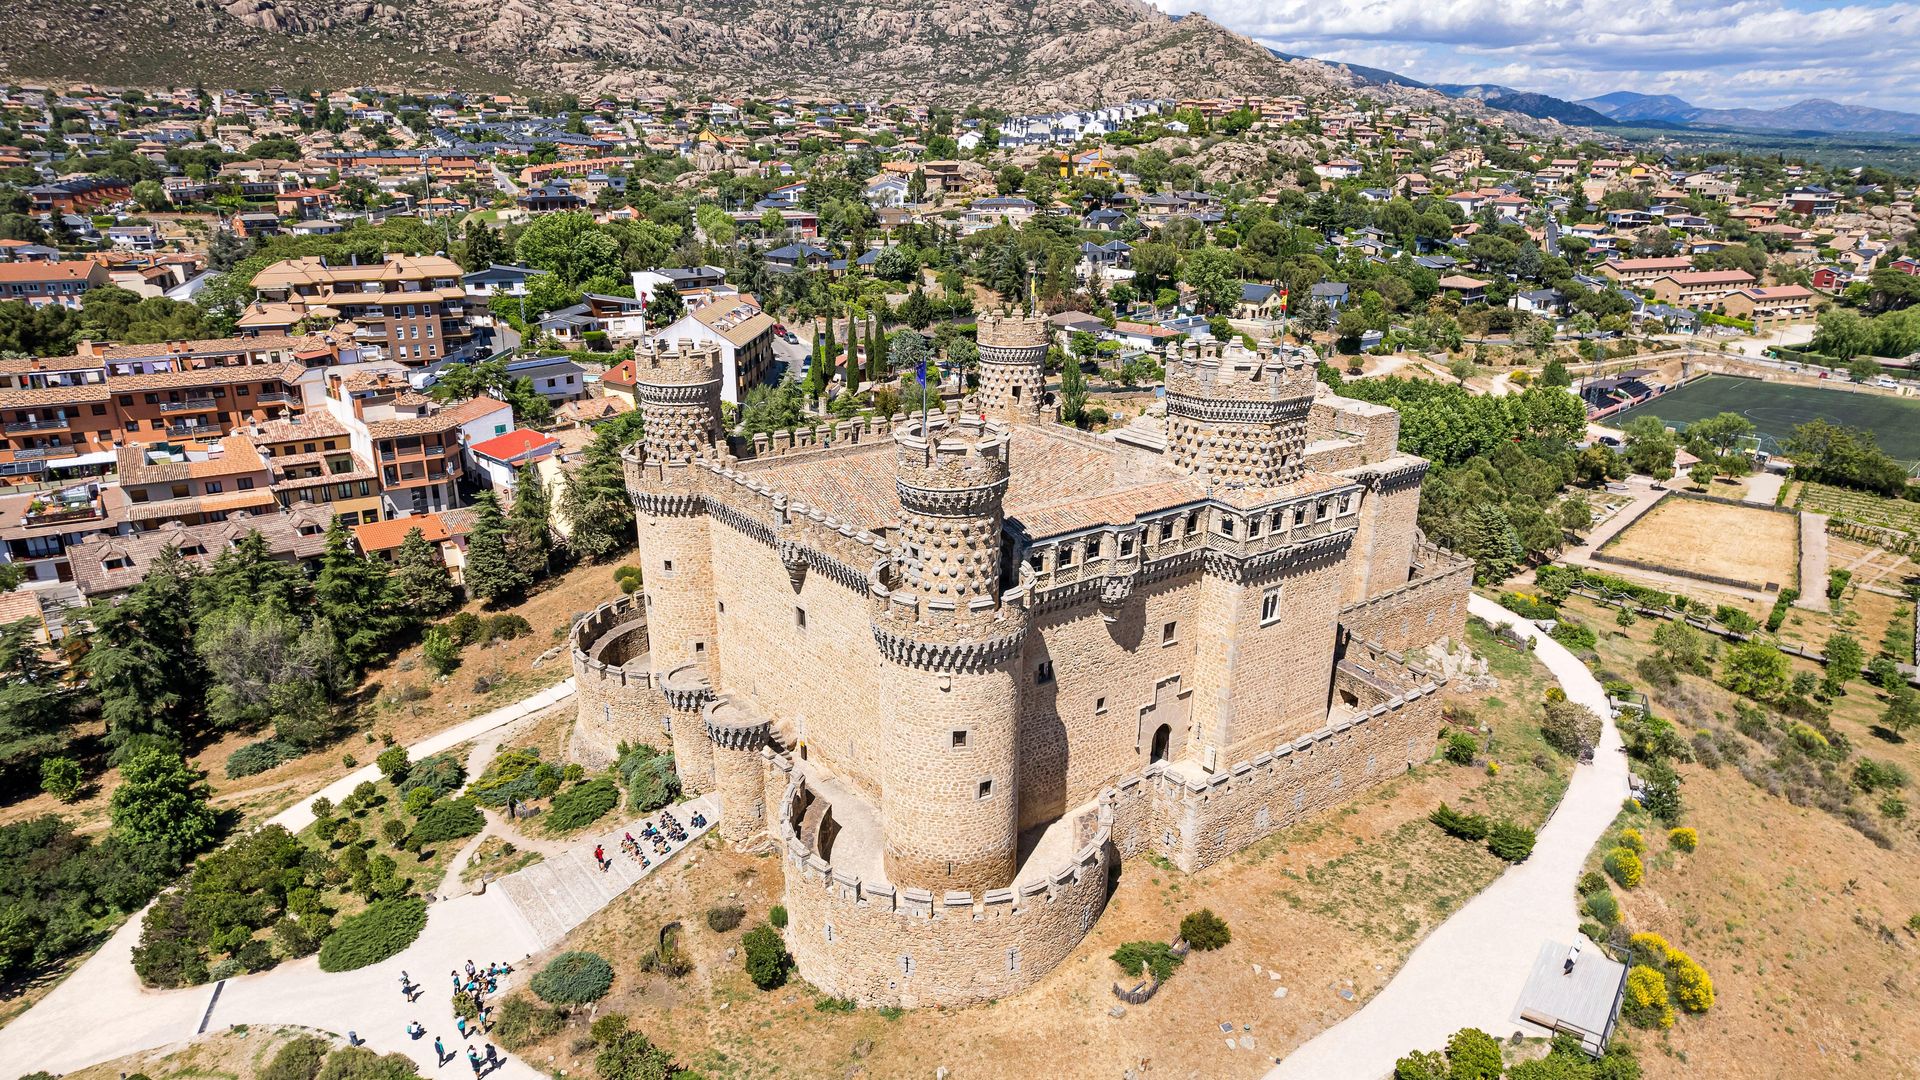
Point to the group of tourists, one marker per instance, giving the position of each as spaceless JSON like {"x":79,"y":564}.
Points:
{"x":472,"y":989}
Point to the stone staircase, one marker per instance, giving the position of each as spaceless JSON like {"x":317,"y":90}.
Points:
{"x":562,"y":891}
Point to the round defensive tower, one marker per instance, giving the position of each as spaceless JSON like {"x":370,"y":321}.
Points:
{"x":949,"y":789}
{"x":1013,"y":367}
{"x":1237,"y":416}
{"x":738,"y":774}
{"x":678,"y":389}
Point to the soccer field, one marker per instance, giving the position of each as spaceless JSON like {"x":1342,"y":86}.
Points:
{"x":1775,"y":408}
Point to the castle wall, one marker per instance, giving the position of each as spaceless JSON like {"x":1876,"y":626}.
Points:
{"x":614,"y":703}
{"x":824,"y":681}
{"x":1083,"y":731}
{"x":1432,"y":606}
{"x":1389,"y":526}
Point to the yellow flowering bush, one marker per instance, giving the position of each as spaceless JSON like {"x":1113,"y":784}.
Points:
{"x":1684,"y":838}
{"x":1631,"y":838}
{"x":1493,"y":768}
{"x":1646,"y":999}
{"x":1692,"y":986}
{"x":1624,"y":866}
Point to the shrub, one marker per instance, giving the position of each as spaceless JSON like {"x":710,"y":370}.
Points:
{"x":724,"y":917}
{"x":393,"y":764}
{"x":258,"y":757}
{"x":441,"y":773}
{"x":464,"y":628}
{"x":453,"y":819}
{"x":1570,"y":728}
{"x":61,"y":778}
{"x":381,"y":931}
{"x":1574,"y":634}
{"x":1157,"y":957}
{"x":519,"y":1023}
{"x":417,"y":800}
{"x":1645,"y":1004}
{"x":518,"y":775}
{"x":463,"y":1005}
{"x":1692,"y":986}
{"x":607,"y":1027}
{"x":1204,"y":930}
{"x":1662,"y":794}
{"x":573,"y":978}
{"x":505,"y":627}
{"x":1684,"y":838}
{"x":1473,"y":1054}
{"x":838,"y":1005}
{"x":778,"y":916}
{"x":649,"y":776}
{"x":1631,"y":838}
{"x":766,"y":957}
{"x":1461,"y":747}
{"x":1510,"y":841}
{"x":1464,"y":826}
{"x":298,"y":1060}
{"x":1590,"y":881}
{"x":1837,"y":583}
{"x":628,"y":577}
{"x":441,"y":651}
{"x":1870,"y":775}
{"x":1603,"y":905}
{"x":1624,"y":866}
{"x":583,"y":804}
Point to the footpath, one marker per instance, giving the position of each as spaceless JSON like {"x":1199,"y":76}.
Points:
{"x":102,"y":1012}
{"x":1470,"y":971}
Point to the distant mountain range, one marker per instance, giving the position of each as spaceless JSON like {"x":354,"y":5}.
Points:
{"x":1626,"y":108}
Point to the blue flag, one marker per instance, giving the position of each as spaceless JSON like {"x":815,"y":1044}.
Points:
{"x":920,"y":372}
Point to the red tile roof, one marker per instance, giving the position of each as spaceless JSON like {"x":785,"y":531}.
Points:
{"x":514,"y":445}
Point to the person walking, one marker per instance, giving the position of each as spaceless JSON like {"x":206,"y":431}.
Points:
{"x":600,"y":856}
{"x":473,"y":1059}
{"x":493,"y":1056}
{"x":439,"y":1051}
{"x":460,"y":1025}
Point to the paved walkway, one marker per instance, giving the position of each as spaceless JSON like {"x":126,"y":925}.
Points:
{"x":1469,"y":972}
{"x":563,"y":890}
{"x":1763,"y":488}
{"x":104,"y":999}
{"x":1813,"y":562}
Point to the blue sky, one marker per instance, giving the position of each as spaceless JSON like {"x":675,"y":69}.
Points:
{"x":1756,"y":53}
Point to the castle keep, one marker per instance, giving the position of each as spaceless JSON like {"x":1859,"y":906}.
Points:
{"x":954,"y":670}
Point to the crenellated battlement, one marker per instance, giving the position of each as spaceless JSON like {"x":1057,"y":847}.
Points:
{"x":685,"y":362}
{"x":1009,"y":338}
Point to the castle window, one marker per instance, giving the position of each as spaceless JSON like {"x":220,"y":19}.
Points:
{"x":1066,"y":555}
{"x":1270,"y":606}
{"x":1166,"y":530}
{"x":959,"y":736}
{"x":1299,"y":516}
{"x":1326,"y":510}
{"x":699,"y":648}
{"x":1226,"y":525}
{"x":1169,"y":634}
{"x":1346,"y":503}
{"x":906,"y":965}
{"x":1253,"y":528}
{"x":1013,"y":959}
{"x":1099,"y":705}
{"x":1193,"y":522}
{"x":1126,"y":546}
{"x":829,"y":930}
{"x":1043,"y":674}
{"x":722,"y":605}
{"x":669,"y":566}
{"x":1034,"y":560}
{"x":799,"y":618}
{"x":1093,"y":548}
{"x":985,"y":790}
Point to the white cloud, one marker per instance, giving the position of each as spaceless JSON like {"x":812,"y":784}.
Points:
{"x":1750,"y":52}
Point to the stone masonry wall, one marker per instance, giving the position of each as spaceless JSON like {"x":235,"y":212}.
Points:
{"x":614,"y":702}
{"x":1426,"y":609}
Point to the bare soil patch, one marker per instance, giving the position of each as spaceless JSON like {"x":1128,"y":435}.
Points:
{"x":1694,"y":536}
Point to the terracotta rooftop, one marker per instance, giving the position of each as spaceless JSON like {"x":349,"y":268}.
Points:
{"x":385,"y":535}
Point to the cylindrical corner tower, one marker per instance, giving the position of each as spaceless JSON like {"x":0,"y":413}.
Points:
{"x":688,"y":692}
{"x":738,"y":773}
{"x":1238,"y":417}
{"x":949,"y":791}
{"x":678,"y":388}
{"x":1013,"y":367}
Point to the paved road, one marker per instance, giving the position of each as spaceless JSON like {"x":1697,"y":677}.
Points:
{"x":1469,"y":972}
{"x":104,"y":999}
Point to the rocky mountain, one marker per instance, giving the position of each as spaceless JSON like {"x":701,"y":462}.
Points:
{"x":1034,"y":54}
{"x":1813,"y":114}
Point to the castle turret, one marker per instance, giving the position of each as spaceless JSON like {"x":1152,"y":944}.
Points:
{"x":1013,"y":367}
{"x":949,"y":791}
{"x":737,"y":735}
{"x":678,"y":388}
{"x":1238,"y":417}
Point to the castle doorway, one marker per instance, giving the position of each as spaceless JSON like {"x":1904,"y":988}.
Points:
{"x":1161,"y":737}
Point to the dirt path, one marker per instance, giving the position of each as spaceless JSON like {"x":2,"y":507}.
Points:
{"x":1813,"y":562}
{"x":1470,"y":971}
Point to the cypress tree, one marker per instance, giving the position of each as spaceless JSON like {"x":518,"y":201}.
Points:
{"x":491,"y":573}
{"x":419,"y":586}
{"x":348,"y":595}
{"x":528,"y":525}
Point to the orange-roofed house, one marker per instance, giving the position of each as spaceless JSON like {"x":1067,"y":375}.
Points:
{"x":498,"y":461}
{"x":382,"y":539}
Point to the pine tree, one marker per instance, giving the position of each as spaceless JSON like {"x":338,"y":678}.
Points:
{"x":529,"y":525}
{"x":140,"y":660}
{"x":490,"y":573}
{"x":419,"y":586}
{"x":348,"y":594}
{"x":34,"y":704}
{"x":248,"y":574}
{"x":1493,"y":543}
{"x":599,"y":517}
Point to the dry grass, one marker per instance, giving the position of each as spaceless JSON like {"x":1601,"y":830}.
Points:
{"x":1333,"y":905}
{"x":1698,"y":537}
{"x":241,"y":1052}
{"x":1800,"y":919}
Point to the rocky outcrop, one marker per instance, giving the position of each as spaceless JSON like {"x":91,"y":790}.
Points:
{"x":1034,"y":55}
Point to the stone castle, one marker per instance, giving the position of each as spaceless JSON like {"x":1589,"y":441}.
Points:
{"x":955,"y":670}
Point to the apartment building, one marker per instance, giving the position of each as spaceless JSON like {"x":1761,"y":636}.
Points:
{"x":1779,"y":303}
{"x":1699,"y":289}
{"x":744,"y":334}
{"x":417,"y":444}
{"x":412,"y":308}
{"x":194,"y":485}
{"x":1642,"y":271}
{"x":311,"y":462}
{"x":42,"y":283}
{"x":108,"y":564}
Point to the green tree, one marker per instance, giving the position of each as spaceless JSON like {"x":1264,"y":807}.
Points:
{"x":35,"y":705}
{"x":1756,"y":669}
{"x":766,"y":958}
{"x":483,"y":246}
{"x":150,"y":195}
{"x":140,"y":661}
{"x":570,"y":245}
{"x":595,"y":500}
{"x":1073,"y":391}
{"x":529,"y":525}
{"x":1845,"y":655}
{"x":917,"y":311}
{"x":419,"y":586}
{"x":1719,"y":435}
{"x":442,"y":652}
{"x":162,"y":807}
{"x":1214,"y":273}
{"x":1903,"y":709}
{"x":492,"y":576}
{"x":1556,"y":374}
{"x":348,"y":594}
{"x":1650,"y":448}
